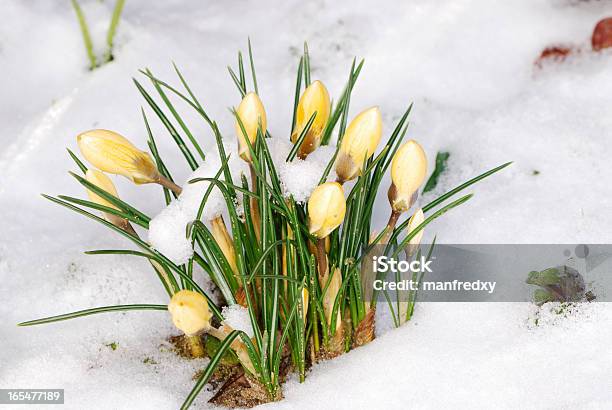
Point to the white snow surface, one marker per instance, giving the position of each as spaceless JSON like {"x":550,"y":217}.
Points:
{"x":168,"y":229}
{"x":468,"y":67}
{"x":300,"y":177}
{"x":237,"y":318}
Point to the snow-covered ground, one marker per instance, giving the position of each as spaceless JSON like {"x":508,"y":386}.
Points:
{"x":467,"y":65}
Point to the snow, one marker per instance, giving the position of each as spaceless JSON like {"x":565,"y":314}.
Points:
{"x":468,"y":67}
{"x":443,"y":360}
{"x":300,"y":177}
{"x":168,"y":233}
{"x":237,"y":318}
{"x":168,"y":229}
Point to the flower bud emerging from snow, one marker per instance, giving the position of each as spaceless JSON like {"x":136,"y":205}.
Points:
{"x":225,"y":242}
{"x":252,"y":115}
{"x":314,"y":99}
{"x":112,"y":153}
{"x":190,"y":312}
{"x":359,"y":143}
{"x":100,"y":180}
{"x":326,"y":208}
{"x":408,"y":171}
{"x":414,"y":221}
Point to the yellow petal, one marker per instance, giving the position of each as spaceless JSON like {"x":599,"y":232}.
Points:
{"x":359,"y":143}
{"x":102,"y":181}
{"x":329,"y":298}
{"x":190,"y":312}
{"x":305,"y":299}
{"x":225,"y":242}
{"x":314,"y":99}
{"x":326,"y":209}
{"x":252,"y":115}
{"x":408,"y":171}
{"x":112,"y":153}
{"x":415,"y":220}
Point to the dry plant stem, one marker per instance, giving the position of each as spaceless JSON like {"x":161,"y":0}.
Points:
{"x":313,"y":350}
{"x":166,"y":183}
{"x":254,"y":205}
{"x":241,"y":297}
{"x":196,"y":346}
{"x":121,"y":223}
{"x":335,"y":344}
{"x":403,"y":312}
{"x":390,"y":226}
{"x":364,"y":333}
{"x":321,"y":259}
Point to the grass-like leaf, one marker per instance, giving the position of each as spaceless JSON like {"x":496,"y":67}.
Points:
{"x":252,"y":64}
{"x":177,"y":117}
{"x":77,"y":161}
{"x":298,"y":88}
{"x":427,"y":220}
{"x":210,"y":369}
{"x":306,"y":65}
{"x":463,"y":186}
{"x":85,"y":33}
{"x":441,"y":159}
{"x":171,"y":130}
{"x":93,"y":311}
{"x":112,"y":29}
{"x":127,"y":208}
{"x":300,"y":139}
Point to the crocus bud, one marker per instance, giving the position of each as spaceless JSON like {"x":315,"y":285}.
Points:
{"x":100,"y":180}
{"x":329,"y":298}
{"x":326,"y":208}
{"x":190,"y":312}
{"x":314,"y":99}
{"x":112,"y":153}
{"x":359,"y":143}
{"x":414,"y":221}
{"x":408,"y":171}
{"x":225,"y":242}
{"x":252,"y":115}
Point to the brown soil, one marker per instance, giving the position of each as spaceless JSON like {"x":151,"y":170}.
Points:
{"x":237,"y":389}
{"x":181,"y":346}
{"x":242,"y":390}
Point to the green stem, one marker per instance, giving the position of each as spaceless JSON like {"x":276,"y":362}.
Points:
{"x":196,"y":346}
